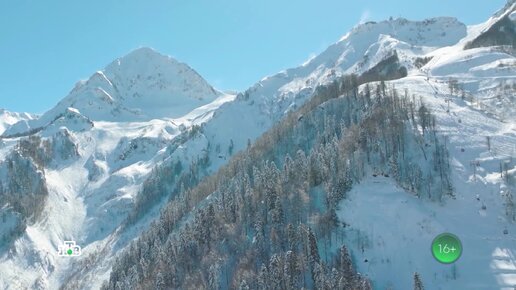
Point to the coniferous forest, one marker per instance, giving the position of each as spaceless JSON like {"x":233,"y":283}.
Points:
{"x":268,"y":219}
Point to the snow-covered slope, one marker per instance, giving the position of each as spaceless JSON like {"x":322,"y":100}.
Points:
{"x":93,"y":177}
{"x":123,"y":118}
{"x":100,"y":144}
{"x":477,"y":118}
{"x":391,"y":243}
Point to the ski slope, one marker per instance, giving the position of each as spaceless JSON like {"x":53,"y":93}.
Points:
{"x":91,"y":195}
{"x":393,"y":230}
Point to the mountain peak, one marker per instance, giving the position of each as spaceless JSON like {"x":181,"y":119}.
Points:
{"x":140,"y":56}
{"x":433,"y":32}
{"x":141,"y":62}
{"x":142,"y":85}
{"x":145,"y":51}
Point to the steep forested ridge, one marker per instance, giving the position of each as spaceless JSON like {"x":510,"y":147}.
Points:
{"x":267,"y":220}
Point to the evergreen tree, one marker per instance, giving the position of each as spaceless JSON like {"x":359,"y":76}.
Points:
{"x":214,"y":276}
{"x":313,"y":249}
{"x":231,"y":147}
{"x":319,"y":278}
{"x":418,"y":284}
{"x":291,"y":270}
{"x":292,"y":237}
{"x":346,"y":266}
{"x":263,"y":278}
{"x":276,"y":273}
{"x":365,"y":284}
{"x":244,"y":286}
{"x":160,"y":281}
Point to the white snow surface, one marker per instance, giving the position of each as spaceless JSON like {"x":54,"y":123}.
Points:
{"x":397,"y":230}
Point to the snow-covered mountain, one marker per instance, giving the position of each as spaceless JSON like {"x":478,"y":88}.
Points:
{"x":8,"y":119}
{"x":359,"y":51}
{"x":146,"y":110}
{"x":140,"y":86}
{"x":97,"y":147}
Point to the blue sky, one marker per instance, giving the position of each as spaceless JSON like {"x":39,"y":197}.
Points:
{"x":47,"y":46}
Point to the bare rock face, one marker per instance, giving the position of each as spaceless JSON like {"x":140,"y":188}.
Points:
{"x":500,"y":33}
{"x":23,"y":189}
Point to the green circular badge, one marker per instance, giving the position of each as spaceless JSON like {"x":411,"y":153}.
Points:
{"x":446,"y":248}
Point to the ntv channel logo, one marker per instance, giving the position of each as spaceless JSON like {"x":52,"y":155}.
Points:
{"x":69,"y":249}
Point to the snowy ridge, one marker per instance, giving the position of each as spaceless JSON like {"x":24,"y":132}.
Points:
{"x":258,"y":108}
{"x":367,"y":43}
